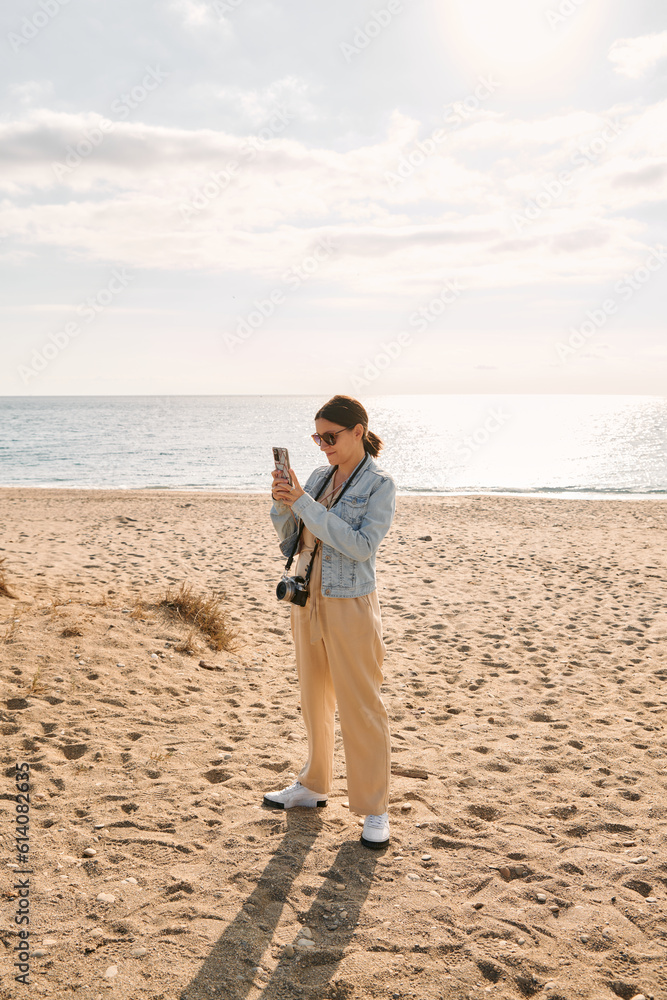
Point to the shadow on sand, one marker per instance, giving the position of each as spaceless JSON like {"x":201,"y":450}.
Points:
{"x":228,"y":969}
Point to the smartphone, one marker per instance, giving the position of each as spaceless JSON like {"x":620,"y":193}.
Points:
{"x":281,"y":460}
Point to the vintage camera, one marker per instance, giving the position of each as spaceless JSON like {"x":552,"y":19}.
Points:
{"x":293,"y":589}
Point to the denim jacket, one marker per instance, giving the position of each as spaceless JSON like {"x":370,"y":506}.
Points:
{"x":350,"y":532}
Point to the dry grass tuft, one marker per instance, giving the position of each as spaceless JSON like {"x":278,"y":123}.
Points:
{"x":70,"y":630}
{"x":205,"y":613}
{"x":141,"y":609}
{"x":12,"y":631}
{"x":103,"y":602}
{"x":57,"y":602}
{"x":4,"y":587}
{"x":188,"y":645}
{"x":36,"y":684}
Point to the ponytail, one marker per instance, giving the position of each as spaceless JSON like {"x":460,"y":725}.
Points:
{"x":372,"y":444}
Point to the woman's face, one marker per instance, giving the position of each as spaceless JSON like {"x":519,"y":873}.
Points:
{"x":347,"y":444}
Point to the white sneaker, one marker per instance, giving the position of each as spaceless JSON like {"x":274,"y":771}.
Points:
{"x":376,"y":831}
{"x":295,"y":795}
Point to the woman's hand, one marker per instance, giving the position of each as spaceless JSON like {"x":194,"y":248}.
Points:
{"x":282,"y":489}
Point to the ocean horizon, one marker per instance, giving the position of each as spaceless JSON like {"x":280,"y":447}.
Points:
{"x":551,"y":445}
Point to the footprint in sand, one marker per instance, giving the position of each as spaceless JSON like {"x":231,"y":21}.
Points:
{"x":74,"y":750}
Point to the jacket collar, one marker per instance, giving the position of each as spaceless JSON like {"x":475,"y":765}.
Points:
{"x":369,"y":466}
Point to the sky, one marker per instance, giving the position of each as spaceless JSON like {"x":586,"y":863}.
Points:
{"x":252,"y":196}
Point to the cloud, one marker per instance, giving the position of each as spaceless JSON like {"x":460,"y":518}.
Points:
{"x":633,"y":57}
{"x":648,"y":176}
{"x":31,"y":92}
{"x":195,"y":14}
{"x":582,"y":239}
{"x":250,"y":107}
{"x":167,"y":198}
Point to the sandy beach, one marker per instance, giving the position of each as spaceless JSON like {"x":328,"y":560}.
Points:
{"x":525,"y":681}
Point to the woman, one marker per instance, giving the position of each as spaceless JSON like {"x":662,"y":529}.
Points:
{"x":339,"y":520}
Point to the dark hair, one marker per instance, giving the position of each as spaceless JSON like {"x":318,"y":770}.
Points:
{"x":349,"y":412}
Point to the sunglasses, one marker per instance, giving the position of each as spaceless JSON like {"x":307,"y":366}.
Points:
{"x":329,"y":437}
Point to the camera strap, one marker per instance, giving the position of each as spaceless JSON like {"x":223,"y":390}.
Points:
{"x":326,"y":482}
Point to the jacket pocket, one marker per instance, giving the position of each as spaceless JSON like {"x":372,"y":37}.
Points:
{"x":345,"y":571}
{"x":352,"y":508}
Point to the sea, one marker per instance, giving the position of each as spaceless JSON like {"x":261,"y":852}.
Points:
{"x":562,"y":445}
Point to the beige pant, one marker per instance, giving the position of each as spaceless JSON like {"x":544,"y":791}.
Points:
{"x":343,"y":664}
